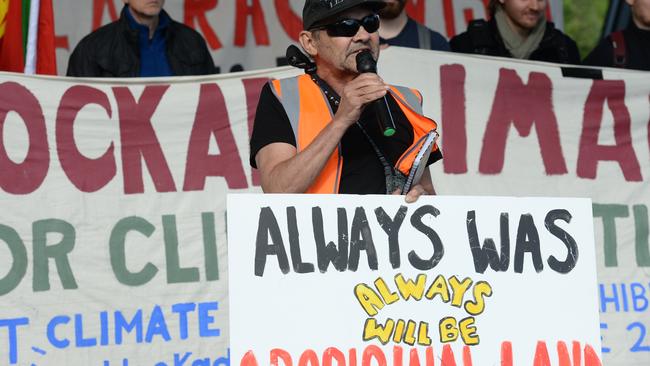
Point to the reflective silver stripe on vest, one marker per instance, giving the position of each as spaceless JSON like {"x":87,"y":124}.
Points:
{"x":424,"y":37}
{"x":291,"y":102}
{"x":411,"y":99}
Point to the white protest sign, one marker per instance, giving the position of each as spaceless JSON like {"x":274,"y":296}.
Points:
{"x":370,"y":280}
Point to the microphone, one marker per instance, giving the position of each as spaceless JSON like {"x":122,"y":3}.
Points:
{"x":366,"y":63}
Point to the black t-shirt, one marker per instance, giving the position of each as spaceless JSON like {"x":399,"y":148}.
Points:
{"x":362,"y":171}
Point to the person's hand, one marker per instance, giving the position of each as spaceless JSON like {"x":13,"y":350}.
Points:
{"x":364,"y":89}
{"x":413,"y":195}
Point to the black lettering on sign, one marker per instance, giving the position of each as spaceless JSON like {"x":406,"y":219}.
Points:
{"x":488,"y":254}
{"x":294,"y":244}
{"x":438,"y":249}
{"x":391,"y":227}
{"x":527,"y":241}
{"x":268,"y":225}
{"x":361,"y":239}
{"x":572,"y":248}
{"x":329,"y":253}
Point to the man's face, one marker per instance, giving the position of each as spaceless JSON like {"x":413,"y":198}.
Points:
{"x":641,"y":12}
{"x":524,"y":13}
{"x":147,"y":8}
{"x":392,"y":9}
{"x":338,"y":54}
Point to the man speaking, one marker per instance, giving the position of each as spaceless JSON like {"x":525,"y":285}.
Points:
{"x":320,"y":132}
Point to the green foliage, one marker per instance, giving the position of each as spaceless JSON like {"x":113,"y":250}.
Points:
{"x":583,"y":21}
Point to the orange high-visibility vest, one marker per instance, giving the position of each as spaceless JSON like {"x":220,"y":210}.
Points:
{"x":309,"y":112}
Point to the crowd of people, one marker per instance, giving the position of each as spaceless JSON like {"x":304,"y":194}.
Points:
{"x":146,"y":41}
{"x":315,"y":132}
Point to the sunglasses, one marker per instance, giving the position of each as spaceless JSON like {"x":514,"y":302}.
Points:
{"x":350,"y":27}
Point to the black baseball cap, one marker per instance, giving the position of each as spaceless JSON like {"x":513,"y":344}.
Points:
{"x":315,"y":11}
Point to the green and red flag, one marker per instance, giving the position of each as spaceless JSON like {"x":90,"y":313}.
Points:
{"x":27,"y":36}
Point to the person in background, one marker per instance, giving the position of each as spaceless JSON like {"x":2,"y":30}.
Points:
{"x":398,"y":29}
{"x":144,"y":42}
{"x":517,"y":29}
{"x":629,"y":48}
{"x":314,"y":133}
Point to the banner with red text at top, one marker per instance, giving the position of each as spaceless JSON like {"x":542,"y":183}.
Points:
{"x":353,"y":280}
{"x":112,"y":195}
{"x":253,"y":34}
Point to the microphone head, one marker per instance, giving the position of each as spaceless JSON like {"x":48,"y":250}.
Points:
{"x":365,"y":62}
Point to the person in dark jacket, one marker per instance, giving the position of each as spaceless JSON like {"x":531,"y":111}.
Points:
{"x":398,"y":29}
{"x":629,"y":48}
{"x":144,"y":42}
{"x":517,"y":29}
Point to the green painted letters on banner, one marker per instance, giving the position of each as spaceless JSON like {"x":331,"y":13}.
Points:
{"x":176,"y":274}
{"x":59,"y":252}
{"x":609,"y":213}
{"x":19,"y":254}
{"x":641,"y":228}
{"x":117,"y":249}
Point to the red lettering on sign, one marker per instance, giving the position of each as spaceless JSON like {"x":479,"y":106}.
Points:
{"x":415,"y":9}
{"x":25,"y":177}
{"x":611,"y":92}
{"x":88,"y":175}
{"x":448,"y":358}
{"x":468,"y":14}
{"x":277,"y":354}
{"x":506,"y":353}
{"x":397,"y":356}
{"x":259,"y":24}
{"x":61,"y":42}
{"x":212,"y":120}
{"x":249,"y":359}
{"x":541,"y":355}
{"x":253,"y":88}
{"x":522,"y":106}
{"x":373,"y":352}
{"x":290,"y":21}
{"x":467,"y":356}
{"x":332,"y":354}
{"x":450,"y":22}
{"x":308,"y":358}
{"x":98,"y":12}
{"x":414,"y":358}
{"x":563,"y":354}
{"x":352,"y":356}
{"x":591,"y":357}
{"x":196,"y":9}
{"x":454,"y":122}
{"x":139,"y":141}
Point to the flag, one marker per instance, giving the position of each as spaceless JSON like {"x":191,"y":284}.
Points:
{"x":27,"y":36}
{"x":12,"y":51}
{"x":46,"y":61}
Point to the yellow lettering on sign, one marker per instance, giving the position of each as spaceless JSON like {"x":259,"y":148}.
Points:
{"x":368,"y":298}
{"x":373,"y":330}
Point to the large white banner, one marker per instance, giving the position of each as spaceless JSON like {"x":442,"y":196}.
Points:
{"x":113,"y":195}
{"x":251,"y":34}
{"x":353,"y":280}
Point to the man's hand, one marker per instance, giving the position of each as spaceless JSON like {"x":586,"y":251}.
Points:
{"x":425,"y":187}
{"x":356,"y":94}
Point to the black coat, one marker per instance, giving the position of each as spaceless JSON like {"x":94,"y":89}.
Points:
{"x":113,"y":51}
{"x":482,"y":37}
{"x":637,"y":47}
